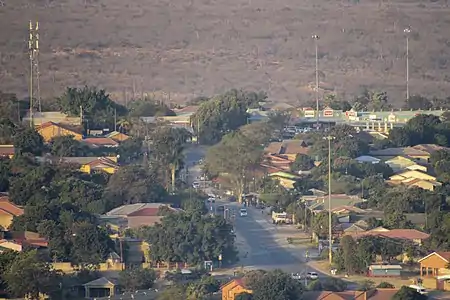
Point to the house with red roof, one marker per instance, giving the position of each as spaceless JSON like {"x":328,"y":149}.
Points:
{"x":18,"y":241}
{"x":8,"y":211}
{"x":412,"y":235}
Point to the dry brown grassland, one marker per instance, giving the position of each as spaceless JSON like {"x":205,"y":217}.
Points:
{"x":184,"y":48}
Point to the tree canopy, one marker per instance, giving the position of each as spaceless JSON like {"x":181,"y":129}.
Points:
{"x":192,"y":238}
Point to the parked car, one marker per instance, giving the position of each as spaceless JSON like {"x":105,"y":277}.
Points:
{"x":243,"y":212}
{"x":312,"y":275}
{"x":296,"y":276}
{"x":195,"y":185}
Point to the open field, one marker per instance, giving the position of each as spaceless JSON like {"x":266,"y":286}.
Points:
{"x":180,"y":49}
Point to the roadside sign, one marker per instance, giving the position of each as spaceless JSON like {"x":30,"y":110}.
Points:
{"x":309,"y":113}
{"x":392,"y":118}
{"x":328,"y":112}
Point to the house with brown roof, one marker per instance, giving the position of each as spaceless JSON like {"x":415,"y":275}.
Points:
{"x":233,"y":288}
{"x":137,"y":215}
{"x":50,"y":130}
{"x":414,"y":178}
{"x":412,"y":235}
{"x":99,"y":142}
{"x":340,"y":203}
{"x":118,"y":136}
{"x":8,"y":211}
{"x":374,"y":294}
{"x":288,"y":149}
{"x":18,"y":241}
{"x":7,"y":151}
{"x":420,"y":153}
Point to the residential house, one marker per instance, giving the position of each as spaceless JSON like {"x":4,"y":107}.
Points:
{"x":53,"y":116}
{"x":8,"y":211}
{"x":286,"y":180}
{"x":7,"y":151}
{"x":429,"y":185}
{"x":435,"y":271}
{"x":373,"y":294}
{"x":277,"y":161}
{"x":19,"y":241}
{"x":367,"y":159}
{"x":186,"y":111}
{"x":99,"y":142}
{"x":118,"y":136}
{"x":412,"y":235}
{"x":288,"y":149}
{"x":51,"y":130}
{"x":233,"y":288}
{"x":136,"y":215}
{"x":339,"y":202}
{"x":403,"y":163}
{"x":415,"y":178}
{"x":87,"y":164}
{"x":421,"y":153}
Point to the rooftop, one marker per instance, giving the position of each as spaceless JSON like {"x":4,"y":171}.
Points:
{"x":7,"y":207}
{"x":100,"y":141}
{"x":130,"y":209}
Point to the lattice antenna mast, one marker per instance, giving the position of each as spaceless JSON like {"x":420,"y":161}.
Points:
{"x":33,"y":48}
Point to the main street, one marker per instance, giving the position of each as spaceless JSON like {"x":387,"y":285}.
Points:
{"x":261,"y":244}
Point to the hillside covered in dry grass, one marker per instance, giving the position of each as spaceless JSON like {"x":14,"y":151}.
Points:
{"x":182,"y":49}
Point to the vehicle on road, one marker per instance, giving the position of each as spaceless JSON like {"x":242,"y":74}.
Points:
{"x":296,"y":276}
{"x":211,"y":200}
{"x":419,"y":289}
{"x":312,"y":275}
{"x":243,"y":212}
{"x":195,"y":185}
{"x":280,"y":218}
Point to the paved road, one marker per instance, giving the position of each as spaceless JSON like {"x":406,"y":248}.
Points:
{"x":265,"y":243}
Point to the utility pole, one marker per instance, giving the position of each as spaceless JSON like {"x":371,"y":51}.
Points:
{"x":330,"y":230}
{"x":407,"y":31}
{"x":33,"y":48}
{"x":115,"y":119}
{"x":316,"y":39}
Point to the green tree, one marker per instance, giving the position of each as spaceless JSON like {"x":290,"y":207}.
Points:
{"x":7,"y":131}
{"x":244,"y":296}
{"x":167,"y":150}
{"x":148,"y":108}
{"x":5,"y":174}
{"x":130,"y":150}
{"x":407,"y":293}
{"x":133,"y":184}
{"x":7,"y":257}
{"x":95,"y":105}
{"x":221,"y":114}
{"x":28,"y":140}
{"x":30,"y":276}
{"x":191,"y":238}
{"x":235,"y":157}
{"x":173,"y":292}
{"x":67,"y":146}
{"x":277,"y":285}
{"x":137,"y":279}
{"x":302,"y":163}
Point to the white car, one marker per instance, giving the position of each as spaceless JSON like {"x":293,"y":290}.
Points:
{"x":296,"y":276}
{"x":243,"y":212}
{"x":312,"y":275}
{"x":195,"y":185}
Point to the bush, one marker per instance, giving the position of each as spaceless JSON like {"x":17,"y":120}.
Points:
{"x":385,"y":285}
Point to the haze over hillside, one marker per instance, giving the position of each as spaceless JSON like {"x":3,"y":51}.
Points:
{"x":201,"y":47}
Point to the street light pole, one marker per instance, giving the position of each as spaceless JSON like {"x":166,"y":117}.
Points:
{"x":407,"y":31}
{"x":316,"y":38}
{"x":330,"y":231}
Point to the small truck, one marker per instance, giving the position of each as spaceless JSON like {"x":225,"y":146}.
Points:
{"x":281,"y":218}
